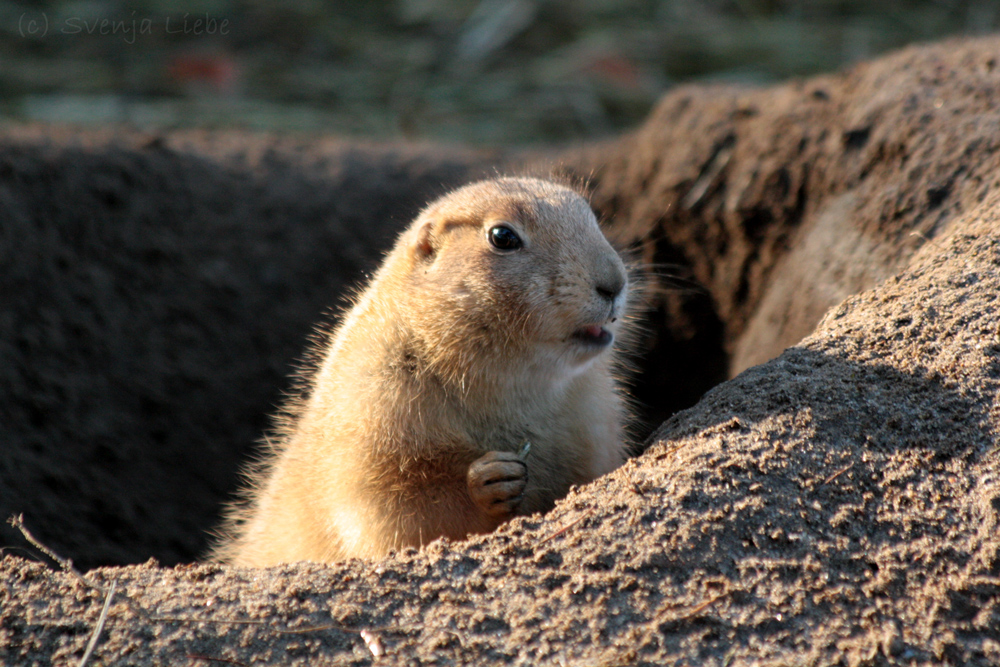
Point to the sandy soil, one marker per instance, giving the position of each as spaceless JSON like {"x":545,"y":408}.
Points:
{"x":836,"y":505}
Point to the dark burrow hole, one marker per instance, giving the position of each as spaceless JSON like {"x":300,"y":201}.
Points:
{"x":242,"y":347}
{"x":680,"y":360}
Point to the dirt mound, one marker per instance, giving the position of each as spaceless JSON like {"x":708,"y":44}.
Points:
{"x":782,"y":202}
{"x":835,"y":505}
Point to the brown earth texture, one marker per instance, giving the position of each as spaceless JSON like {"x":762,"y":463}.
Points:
{"x":834,"y":503}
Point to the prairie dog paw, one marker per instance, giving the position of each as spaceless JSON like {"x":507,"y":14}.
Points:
{"x":496,"y":483}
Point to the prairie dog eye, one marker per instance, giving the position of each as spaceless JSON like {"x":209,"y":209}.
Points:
{"x":503,"y":237}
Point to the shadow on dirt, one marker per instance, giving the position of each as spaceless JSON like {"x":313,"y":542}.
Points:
{"x":154,"y":304}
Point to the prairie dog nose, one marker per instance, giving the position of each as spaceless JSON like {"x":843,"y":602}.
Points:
{"x":610,"y":279}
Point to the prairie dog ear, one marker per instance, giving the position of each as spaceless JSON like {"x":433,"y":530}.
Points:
{"x":425,"y":236}
{"x":424,"y":246}
{"x":431,"y":228}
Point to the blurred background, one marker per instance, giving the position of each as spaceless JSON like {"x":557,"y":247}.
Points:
{"x":481,"y":72}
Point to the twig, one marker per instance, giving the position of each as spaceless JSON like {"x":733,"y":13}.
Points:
{"x":216,"y":621}
{"x":99,"y":627}
{"x":695,"y":610}
{"x":384,"y":629}
{"x":927,"y":239}
{"x":673,"y":449}
{"x":317,"y":628}
{"x":564,"y":528}
{"x":66,"y":564}
{"x":837,"y":474}
{"x":703,"y":606}
{"x":198,"y":656}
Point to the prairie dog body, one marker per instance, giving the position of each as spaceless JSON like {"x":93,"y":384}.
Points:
{"x":489,"y":325}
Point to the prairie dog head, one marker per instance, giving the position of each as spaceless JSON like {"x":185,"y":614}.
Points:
{"x":513,"y":271}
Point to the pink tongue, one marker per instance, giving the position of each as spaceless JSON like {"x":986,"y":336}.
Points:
{"x":594,"y":331}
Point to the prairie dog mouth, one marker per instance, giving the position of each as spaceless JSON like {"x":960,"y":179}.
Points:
{"x":595,"y":335}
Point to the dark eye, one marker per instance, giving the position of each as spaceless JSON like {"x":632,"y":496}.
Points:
{"x":504,"y":238}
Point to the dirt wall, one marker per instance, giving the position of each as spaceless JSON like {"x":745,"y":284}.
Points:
{"x":834,"y":505}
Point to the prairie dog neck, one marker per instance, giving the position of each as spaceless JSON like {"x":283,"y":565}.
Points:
{"x":496,"y":393}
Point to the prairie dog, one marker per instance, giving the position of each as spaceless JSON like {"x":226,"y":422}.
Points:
{"x":489,"y":325}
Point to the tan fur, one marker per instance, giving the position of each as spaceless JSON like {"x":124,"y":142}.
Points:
{"x":452,"y":351}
